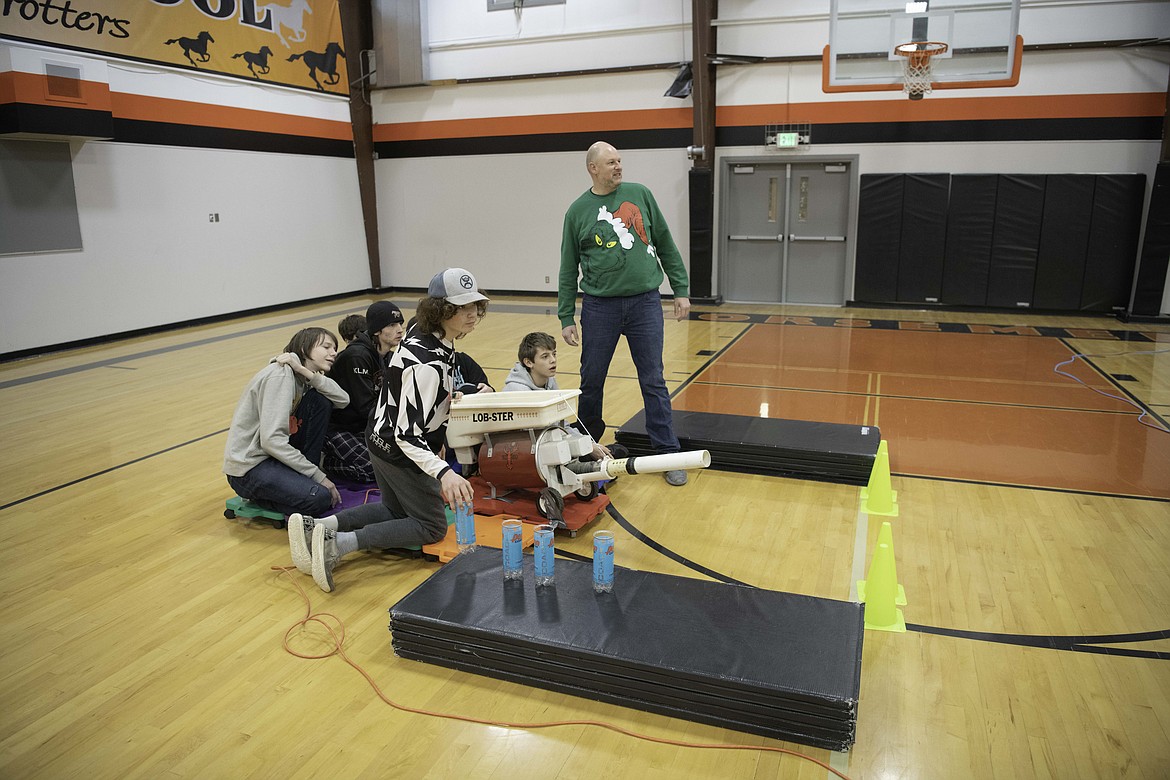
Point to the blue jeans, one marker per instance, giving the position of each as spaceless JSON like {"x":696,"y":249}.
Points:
{"x":639,"y":319}
{"x":275,"y":486}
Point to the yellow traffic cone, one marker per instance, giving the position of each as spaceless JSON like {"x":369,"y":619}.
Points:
{"x":877,"y":498}
{"x":886,"y":536}
{"x":881,"y":612}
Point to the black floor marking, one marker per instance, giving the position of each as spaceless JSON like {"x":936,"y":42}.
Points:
{"x":661,"y":548}
{"x":1077,"y":644}
{"x":107,"y":471}
{"x":110,"y":363}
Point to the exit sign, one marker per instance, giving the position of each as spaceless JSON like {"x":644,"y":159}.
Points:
{"x":787,"y":140}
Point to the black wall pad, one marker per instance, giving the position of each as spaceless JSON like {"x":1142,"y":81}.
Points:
{"x":879,"y":235}
{"x":924,"y":237}
{"x":1064,"y":241}
{"x":1019,"y":211}
{"x":1113,"y":242}
{"x":830,"y":452}
{"x":702,"y":210}
{"x":1151,"y":274}
{"x":781,"y":665}
{"x":970,"y":223}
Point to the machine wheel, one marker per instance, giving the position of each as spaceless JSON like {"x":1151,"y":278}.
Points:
{"x":229,"y":514}
{"x":280,"y":524}
{"x":551,"y":504}
{"x":588,"y":491}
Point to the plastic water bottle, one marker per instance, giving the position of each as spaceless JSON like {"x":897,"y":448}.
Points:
{"x":465,"y":528}
{"x":603,"y":561}
{"x":545,"y":555}
{"x":513,"y":549}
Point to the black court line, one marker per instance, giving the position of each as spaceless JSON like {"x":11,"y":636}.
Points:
{"x":508,"y":308}
{"x":1025,"y":331}
{"x":1076,"y":644}
{"x":1111,"y":380}
{"x":107,"y":471}
{"x":715,"y":356}
{"x":1018,"y":486}
{"x":664,"y":550}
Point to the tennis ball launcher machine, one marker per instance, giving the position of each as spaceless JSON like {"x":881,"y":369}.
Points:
{"x":521,"y":440}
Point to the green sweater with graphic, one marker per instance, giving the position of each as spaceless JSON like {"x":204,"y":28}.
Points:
{"x":618,"y":244}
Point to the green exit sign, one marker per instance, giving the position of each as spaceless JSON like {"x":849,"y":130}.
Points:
{"x":787,"y":140}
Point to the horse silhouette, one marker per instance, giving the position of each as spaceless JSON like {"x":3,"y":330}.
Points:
{"x":256,"y":59}
{"x":324,"y":61}
{"x":289,"y":17}
{"x":198,"y":44}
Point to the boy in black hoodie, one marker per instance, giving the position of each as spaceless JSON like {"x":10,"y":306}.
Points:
{"x":358,"y":370}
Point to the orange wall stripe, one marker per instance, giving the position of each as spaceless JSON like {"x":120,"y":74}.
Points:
{"x":541,"y":124}
{"x":937,"y":108}
{"x":933,"y":108}
{"x":182,"y":112}
{"x":20,"y":87}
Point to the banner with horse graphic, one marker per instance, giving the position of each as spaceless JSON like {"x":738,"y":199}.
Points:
{"x":291,"y":42}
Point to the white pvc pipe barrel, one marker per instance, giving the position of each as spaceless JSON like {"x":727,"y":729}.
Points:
{"x":648,"y":464}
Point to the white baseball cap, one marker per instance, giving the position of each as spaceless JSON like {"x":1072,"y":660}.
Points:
{"x":457,"y":285}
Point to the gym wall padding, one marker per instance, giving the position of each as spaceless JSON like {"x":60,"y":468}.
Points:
{"x":924,"y":231}
{"x":970,"y":232}
{"x":1151,"y":274}
{"x":1019,"y":208}
{"x":1113,"y":242}
{"x":879,"y":237}
{"x":701,"y":183}
{"x":1063,"y":242}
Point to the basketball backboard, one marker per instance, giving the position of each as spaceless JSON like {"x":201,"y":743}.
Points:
{"x":973,"y":43}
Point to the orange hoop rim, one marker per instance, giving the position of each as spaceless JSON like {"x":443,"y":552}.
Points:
{"x":935,"y":47}
{"x":920,"y":57}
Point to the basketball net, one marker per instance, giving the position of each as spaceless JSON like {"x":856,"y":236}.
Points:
{"x":916,"y":65}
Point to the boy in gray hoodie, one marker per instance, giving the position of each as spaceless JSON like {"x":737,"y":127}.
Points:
{"x":278,"y":429}
{"x":536,"y":369}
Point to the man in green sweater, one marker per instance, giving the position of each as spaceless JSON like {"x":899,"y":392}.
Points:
{"x":616,"y":241}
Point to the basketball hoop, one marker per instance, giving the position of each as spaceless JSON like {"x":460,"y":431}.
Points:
{"x":916,"y":65}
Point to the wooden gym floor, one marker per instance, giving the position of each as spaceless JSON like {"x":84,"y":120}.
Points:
{"x":142,"y":632}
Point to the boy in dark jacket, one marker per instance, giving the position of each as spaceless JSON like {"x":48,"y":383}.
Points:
{"x":358,"y":370}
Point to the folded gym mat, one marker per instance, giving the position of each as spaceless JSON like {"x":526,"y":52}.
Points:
{"x":778,"y":664}
{"x":831,"y":452}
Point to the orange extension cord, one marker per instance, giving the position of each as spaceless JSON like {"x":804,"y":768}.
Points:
{"x":339,"y":638}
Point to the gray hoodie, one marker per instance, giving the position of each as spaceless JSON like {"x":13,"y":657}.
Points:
{"x":520,"y":379}
{"x":260,"y":426}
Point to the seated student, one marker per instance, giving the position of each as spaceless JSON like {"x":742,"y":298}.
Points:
{"x":469,"y":377}
{"x":358,"y":371}
{"x":349,"y":326}
{"x":536,"y":369}
{"x":278,"y":429}
{"x":406,"y":434}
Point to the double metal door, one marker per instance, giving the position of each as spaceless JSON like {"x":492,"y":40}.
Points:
{"x":786,"y":232}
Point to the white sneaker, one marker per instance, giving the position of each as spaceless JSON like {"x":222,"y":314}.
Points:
{"x":325,"y":556}
{"x":300,"y":536}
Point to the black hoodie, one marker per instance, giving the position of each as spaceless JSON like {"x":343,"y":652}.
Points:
{"x":358,"y":370}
